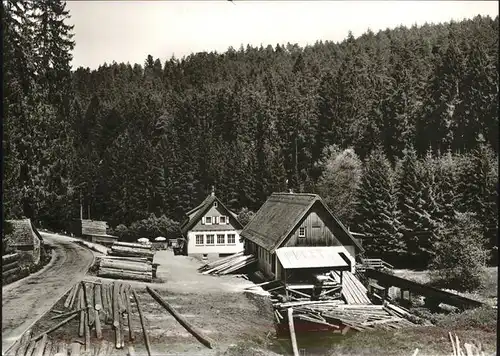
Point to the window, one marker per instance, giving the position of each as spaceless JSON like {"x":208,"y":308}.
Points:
{"x":302,"y":232}
{"x":221,"y":239}
{"x":208,"y":220}
{"x":210,"y":239}
{"x":216,"y":220}
{"x":231,"y":239}
{"x":222,"y":220}
{"x":199,"y":239}
{"x":215,"y":204}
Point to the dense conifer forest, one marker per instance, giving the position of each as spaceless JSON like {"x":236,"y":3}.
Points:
{"x":397,"y":130}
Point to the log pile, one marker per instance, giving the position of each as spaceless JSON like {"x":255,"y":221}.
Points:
{"x":334,"y":316}
{"x":126,"y":249}
{"x":100,"y":310}
{"x":126,"y":268}
{"x":10,"y":265}
{"x":228,"y":264}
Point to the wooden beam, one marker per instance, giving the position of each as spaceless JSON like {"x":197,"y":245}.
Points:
{"x":36,"y":338}
{"x":129,"y":314}
{"x":292,"y":332}
{"x":146,"y":338}
{"x":193,"y":330}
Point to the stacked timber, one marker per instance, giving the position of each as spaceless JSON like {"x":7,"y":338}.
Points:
{"x":228,"y":264}
{"x":126,"y":249}
{"x":99,"y":310}
{"x":126,"y":268}
{"x":10,"y":265}
{"x":334,"y":316}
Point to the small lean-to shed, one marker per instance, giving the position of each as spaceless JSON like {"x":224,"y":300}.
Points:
{"x":288,"y":231}
{"x":24,"y":238}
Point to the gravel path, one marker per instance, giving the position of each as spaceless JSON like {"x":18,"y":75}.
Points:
{"x":25,"y":301}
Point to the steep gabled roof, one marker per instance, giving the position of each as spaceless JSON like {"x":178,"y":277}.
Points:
{"x":281,"y":214}
{"x":201,"y":209}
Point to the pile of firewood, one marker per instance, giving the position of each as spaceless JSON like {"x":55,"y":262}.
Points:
{"x":228,"y":265}
{"x":96,"y":305}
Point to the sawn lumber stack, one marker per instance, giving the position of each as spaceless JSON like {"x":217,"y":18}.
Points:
{"x":228,"y":264}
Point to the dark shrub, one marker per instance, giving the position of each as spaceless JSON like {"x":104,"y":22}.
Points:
{"x":460,"y":257}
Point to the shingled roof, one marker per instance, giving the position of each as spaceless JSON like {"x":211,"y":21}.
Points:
{"x":279,"y":216}
{"x":201,"y":209}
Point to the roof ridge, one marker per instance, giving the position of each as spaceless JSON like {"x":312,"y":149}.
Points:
{"x":292,"y":194}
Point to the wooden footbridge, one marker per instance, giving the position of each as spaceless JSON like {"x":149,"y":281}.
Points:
{"x":433,"y":295}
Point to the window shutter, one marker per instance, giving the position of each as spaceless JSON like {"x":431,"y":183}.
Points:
{"x":216,"y":220}
{"x":227,"y":220}
{"x":203,"y":220}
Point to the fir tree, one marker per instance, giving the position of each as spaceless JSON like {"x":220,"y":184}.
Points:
{"x":377,"y":213}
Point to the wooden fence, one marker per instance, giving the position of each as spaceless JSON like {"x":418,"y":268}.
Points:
{"x":374,"y":263}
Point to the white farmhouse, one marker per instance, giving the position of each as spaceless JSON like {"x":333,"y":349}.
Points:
{"x":211,"y":230}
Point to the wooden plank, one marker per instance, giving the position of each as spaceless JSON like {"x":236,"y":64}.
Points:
{"x":129,"y":314}
{"x":146,"y":337}
{"x":81,"y":304}
{"x":36,"y":338}
{"x":74,"y":298}
{"x":68,"y":314}
{"x":48,"y":348}
{"x":23,"y":343}
{"x":40,"y":347}
{"x":98,"y":329}
{"x":193,"y":330}
{"x":133,"y":245}
{"x":10,"y":266}
{"x":291,"y":327}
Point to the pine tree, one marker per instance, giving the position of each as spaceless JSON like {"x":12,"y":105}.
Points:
{"x":478,"y":190}
{"x":415,"y":201}
{"x":377,"y":215}
{"x":446,"y":187}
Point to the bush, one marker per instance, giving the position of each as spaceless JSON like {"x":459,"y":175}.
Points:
{"x":245,"y":215}
{"x":479,"y":318}
{"x":460,"y":258}
{"x":121,"y":231}
{"x":153,"y":227}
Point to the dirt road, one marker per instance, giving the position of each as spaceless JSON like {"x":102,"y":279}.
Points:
{"x":24,"y":301}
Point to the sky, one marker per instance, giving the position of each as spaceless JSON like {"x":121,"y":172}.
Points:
{"x":127,"y":31}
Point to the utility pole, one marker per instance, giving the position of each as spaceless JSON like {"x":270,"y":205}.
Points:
{"x":81,"y":206}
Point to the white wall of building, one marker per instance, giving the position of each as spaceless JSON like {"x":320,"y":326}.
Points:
{"x":194,"y":249}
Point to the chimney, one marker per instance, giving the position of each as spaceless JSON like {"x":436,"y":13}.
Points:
{"x":213,"y":191}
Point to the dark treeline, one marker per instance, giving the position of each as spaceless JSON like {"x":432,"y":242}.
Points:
{"x":418,"y":106}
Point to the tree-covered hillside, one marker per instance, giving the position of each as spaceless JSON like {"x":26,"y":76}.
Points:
{"x":418,"y":106}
